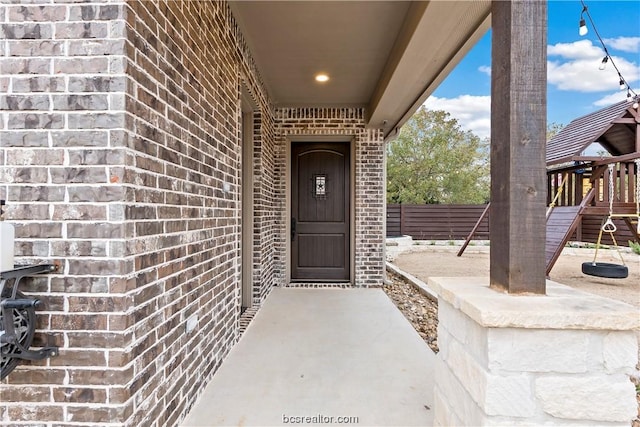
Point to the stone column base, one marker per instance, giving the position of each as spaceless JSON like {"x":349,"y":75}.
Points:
{"x":560,"y":359}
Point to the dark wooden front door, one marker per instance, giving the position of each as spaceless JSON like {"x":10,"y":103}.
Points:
{"x":320,"y":206}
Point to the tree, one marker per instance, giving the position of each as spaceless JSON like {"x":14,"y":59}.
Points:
{"x":434,"y":161}
{"x":553,"y":129}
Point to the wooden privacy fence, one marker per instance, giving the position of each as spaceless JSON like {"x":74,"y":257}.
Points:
{"x":436,"y":222}
{"x":455,"y":222}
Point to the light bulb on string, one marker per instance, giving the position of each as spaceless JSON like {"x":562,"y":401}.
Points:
{"x":603,"y":64}
{"x":583,"y":30}
{"x":631,"y":95}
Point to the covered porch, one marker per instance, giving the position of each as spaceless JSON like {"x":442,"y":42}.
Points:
{"x":158,"y":139}
{"x":312,"y":356}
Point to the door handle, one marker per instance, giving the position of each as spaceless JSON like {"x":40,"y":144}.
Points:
{"x":293,"y":229}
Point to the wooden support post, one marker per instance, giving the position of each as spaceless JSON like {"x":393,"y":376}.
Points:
{"x":518,"y":134}
{"x":577,"y":198}
{"x":579,"y":189}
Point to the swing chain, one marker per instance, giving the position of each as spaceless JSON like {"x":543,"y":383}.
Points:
{"x":608,"y":225}
{"x":611,"y":167}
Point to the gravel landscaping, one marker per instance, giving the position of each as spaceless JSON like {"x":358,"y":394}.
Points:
{"x":419,"y":310}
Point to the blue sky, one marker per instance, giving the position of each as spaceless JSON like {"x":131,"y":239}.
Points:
{"x":576,"y":85}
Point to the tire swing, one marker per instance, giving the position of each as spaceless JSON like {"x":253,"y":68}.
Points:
{"x":606,"y":269}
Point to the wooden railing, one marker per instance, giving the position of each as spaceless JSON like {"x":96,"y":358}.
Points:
{"x":568,"y":186}
{"x":621,"y":180}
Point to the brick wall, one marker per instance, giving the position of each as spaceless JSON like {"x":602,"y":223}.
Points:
{"x":62,"y":160}
{"x":369,"y":177}
{"x":184,"y":207}
{"x":120,"y":160}
{"x":269,"y":210}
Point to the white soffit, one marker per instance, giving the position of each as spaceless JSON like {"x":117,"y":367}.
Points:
{"x":292,"y":41}
{"x":387,"y":56}
{"x":442,"y":33}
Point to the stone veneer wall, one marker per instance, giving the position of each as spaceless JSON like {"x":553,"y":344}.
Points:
{"x":370,"y":189}
{"x":562,"y":359}
{"x":120,"y":161}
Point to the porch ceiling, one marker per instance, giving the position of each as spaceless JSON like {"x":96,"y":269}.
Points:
{"x":387,"y":56}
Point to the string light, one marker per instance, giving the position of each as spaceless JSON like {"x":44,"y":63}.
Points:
{"x":583,"y":24}
{"x":603,"y":64}
{"x":631,"y":95}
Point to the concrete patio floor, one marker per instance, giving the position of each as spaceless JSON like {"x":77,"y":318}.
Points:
{"x":322,"y":353}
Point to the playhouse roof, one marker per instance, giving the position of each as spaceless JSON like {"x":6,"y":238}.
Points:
{"x":613,"y":127}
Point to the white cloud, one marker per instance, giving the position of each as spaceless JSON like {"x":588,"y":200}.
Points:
{"x":611,"y":99}
{"x":625,"y":44}
{"x":571,"y":67}
{"x":578,"y":68}
{"x":485,"y":69}
{"x":472,"y":112}
{"x":582,"y":49}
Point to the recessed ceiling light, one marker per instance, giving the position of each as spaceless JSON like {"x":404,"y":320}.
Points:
{"x":322,"y":78}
